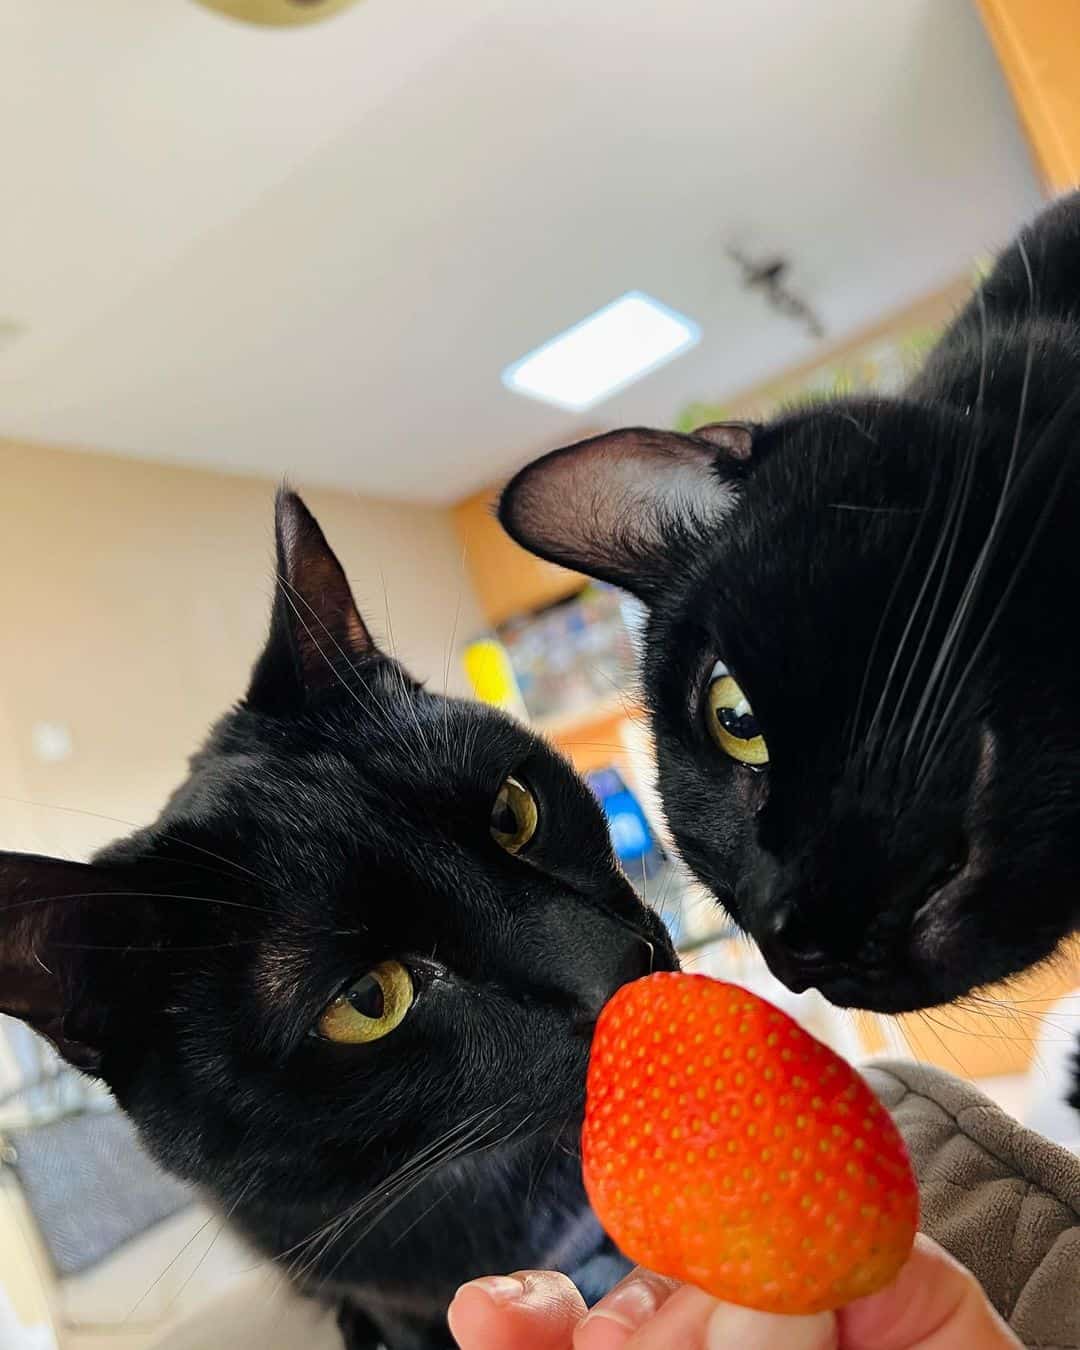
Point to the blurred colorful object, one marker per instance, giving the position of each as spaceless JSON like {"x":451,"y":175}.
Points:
{"x":278,"y":13}
{"x":574,"y":655}
{"x":492,"y":676}
{"x":631,"y":836}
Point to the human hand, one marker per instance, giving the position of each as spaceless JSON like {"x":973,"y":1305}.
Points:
{"x":934,"y":1304}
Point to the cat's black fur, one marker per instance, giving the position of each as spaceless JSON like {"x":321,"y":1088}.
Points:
{"x":337,"y":818}
{"x":893,"y":582}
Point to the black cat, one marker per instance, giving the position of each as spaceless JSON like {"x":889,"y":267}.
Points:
{"x":863,"y":658}
{"x":347,"y":981}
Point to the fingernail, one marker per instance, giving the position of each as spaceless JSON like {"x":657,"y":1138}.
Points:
{"x":499,"y":1288}
{"x":730,"y":1325}
{"x":630,"y":1306}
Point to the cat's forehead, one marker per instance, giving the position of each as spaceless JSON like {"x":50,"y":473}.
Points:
{"x":311,"y":798}
{"x":791,"y":587}
{"x":358,"y":742}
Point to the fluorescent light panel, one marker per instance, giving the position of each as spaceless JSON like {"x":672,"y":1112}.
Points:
{"x":604,"y":353}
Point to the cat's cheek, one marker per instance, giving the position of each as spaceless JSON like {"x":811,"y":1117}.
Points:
{"x":752,"y":789}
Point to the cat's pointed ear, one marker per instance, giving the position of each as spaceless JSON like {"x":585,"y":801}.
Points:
{"x":316,"y":633}
{"x":45,"y":938}
{"x":614,"y":507}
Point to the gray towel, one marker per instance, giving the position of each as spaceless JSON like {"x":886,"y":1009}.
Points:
{"x":1003,"y":1200}
{"x":90,"y":1186}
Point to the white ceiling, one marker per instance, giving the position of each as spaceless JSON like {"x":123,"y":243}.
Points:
{"x":313,"y":250}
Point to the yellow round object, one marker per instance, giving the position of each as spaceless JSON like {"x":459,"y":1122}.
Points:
{"x":491,"y":674}
{"x":278,"y":13}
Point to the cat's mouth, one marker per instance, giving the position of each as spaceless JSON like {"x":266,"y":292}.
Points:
{"x":925,"y":959}
{"x":920,"y":971}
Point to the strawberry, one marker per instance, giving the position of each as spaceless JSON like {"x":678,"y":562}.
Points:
{"x":726,"y":1147}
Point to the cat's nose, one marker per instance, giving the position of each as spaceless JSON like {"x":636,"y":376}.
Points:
{"x":630,"y":957}
{"x":637,"y":959}
{"x":792,"y":952}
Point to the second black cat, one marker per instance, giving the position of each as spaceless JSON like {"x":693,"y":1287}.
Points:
{"x":862,"y":654}
{"x":347,"y":981}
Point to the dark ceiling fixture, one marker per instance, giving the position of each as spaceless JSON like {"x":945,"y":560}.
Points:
{"x":278,"y":13}
{"x":769,"y":277}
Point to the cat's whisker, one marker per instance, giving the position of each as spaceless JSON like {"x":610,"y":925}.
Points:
{"x":370,"y":707}
{"x":538,"y":1176}
{"x":452,"y":1152}
{"x":225,"y":1218}
{"x":135,"y":825}
{"x":417,"y":1163}
{"x":871,"y":738}
{"x":406,"y":693}
{"x":946,"y":551}
{"x":244,"y":1192}
{"x":1063,"y":419}
{"x":446,"y":1192}
{"x":956,"y":497}
{"x":876,"y":510}
{"x":935,"y":1028}
{"x":937,"y":681}
{"x":149,"y":947}
{"x":289,"y":591}
{"x":127,"y":895}
{"x":451,"y":648}
{"x":472,"y":1146}
{"x":165,"y":1270}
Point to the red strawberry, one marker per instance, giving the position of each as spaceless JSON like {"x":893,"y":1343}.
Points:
{"x":725,"y":1146}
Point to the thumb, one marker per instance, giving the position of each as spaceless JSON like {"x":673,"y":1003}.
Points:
{"x":933,"y":1304}
{"x":730,"y":1327}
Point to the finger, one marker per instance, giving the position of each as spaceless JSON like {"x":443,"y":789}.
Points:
{"x":530,"y":1310}
{"x":633,"y":1301}
{"x":934,"y":1304}
{"x":730,"y":1327}
{"x":681,"y":1322}
{"x":693,"y":1320}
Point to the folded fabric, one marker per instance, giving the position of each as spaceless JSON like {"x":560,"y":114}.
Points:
{"x":90,"y":1186}
{"x":1002,"y":1199}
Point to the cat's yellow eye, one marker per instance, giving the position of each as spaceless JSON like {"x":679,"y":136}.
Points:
{"x":370,"y":1008}
{"x":514,"y":816}
{"x":731,"y":720}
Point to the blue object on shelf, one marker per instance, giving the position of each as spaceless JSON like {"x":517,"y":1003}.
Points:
{"x":630,"y":833}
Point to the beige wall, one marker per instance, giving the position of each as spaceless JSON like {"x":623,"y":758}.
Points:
{"x":134,"y":598}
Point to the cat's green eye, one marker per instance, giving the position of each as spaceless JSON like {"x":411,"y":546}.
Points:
{"x":731,"y":720}
{"x":370,"y":1008}
{"x":514,"y":816}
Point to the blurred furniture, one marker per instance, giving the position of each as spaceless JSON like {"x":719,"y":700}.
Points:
{"x":262,"y":1311}
{"x":1038,"y":45}
{"x":1055,"y":1073}
{"x":129,"y":1300}
{"x":99,"y":1249}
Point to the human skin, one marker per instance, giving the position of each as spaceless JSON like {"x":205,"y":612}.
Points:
{"x":934,"y":1304}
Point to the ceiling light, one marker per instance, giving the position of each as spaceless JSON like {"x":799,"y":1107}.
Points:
{"x":278,"y":13}
{"x":604,"y":353}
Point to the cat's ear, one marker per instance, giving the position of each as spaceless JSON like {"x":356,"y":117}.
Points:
{"x":53,"y":916}
{"x":616,"y":507}
{"x":317,"y":636}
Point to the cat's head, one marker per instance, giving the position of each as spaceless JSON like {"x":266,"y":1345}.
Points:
{"x":373,"y":925}
{"x":860,"y":676}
